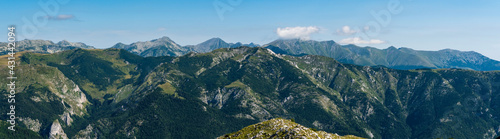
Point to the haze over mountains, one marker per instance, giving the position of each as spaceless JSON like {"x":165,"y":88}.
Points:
{"x":398,"y":58}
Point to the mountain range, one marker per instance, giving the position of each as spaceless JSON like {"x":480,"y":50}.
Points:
{"x":158,"y":47}
{"x":166,"y":47}
{"x":392,"y":57}
{"x":113,"y":93}
{"x":44,"y":46}
{"x":216,"y":43}
{"x":398,"y":58}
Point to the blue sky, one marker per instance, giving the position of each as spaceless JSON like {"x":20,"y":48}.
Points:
{"x":417,"y":24}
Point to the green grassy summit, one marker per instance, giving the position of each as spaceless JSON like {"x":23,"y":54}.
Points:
{"x":282,"y":128}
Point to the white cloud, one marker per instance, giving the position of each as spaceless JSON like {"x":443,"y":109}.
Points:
{"x":297,"y":32}
{"x":346,"y":30}
{"x":61,"y":17}
{"x":358,"y":40}
{"x":161,"y":29}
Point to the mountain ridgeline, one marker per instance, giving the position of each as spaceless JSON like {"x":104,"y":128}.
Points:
{"x":402,"y":58}
{"x":44,"y":46}
{"x":113,"y":93}
{"x":397,"y":58}
{"x":166,"y":47}
{"x":216,"y":43}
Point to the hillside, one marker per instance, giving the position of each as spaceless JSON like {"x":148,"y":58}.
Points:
{"x":114,"y":93}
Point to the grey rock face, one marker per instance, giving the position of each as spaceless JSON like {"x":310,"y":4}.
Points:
{"x":56,"y":131}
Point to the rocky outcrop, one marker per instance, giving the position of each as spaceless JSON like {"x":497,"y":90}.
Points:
{"x":31,"y":124}
{"x":56,"y":131}
{"x":66,"y":117}
{"x":87,"y":133}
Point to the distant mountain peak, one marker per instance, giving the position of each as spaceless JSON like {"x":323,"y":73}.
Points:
{"x":46,"y":46}
{"x":210,"y":44}
{"x":162,"y":39}
{"x":163,"y":46}
{"x":157,"y":42}
{"x":119,"y":43}
{"x":34,"y":43}
{"x":449,"y":50}
{"x":392,"y":47}
{"x":215,"y":40}
{"x":251,"y":44}
{"x":64,"y":43}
